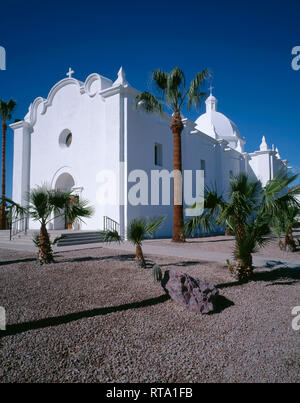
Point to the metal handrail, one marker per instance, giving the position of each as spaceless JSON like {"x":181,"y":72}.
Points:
{"x":110,"y":225}
{"x":18,"y":226}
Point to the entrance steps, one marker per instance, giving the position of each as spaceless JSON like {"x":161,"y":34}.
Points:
{"x":80,"y":238}
{"x":68,"y":238}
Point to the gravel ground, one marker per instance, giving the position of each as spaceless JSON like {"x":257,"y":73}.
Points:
{"x":93,"y":316}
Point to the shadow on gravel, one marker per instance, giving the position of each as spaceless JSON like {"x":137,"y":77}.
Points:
{"x":122,"y":258}
{"x":280,"y":276}
{"x":282,"y":273}
{"x":199,"y":240}
{"x":150,"y":263}
{"x":184,"y":263}
{"x":221,"y":304}
{"x":60,"y":320}
{"x":272,"y":263}
{"x":29,"y":259}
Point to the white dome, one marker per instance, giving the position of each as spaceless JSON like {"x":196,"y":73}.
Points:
{"x":217,"y":125}
{"x":223,"y":126}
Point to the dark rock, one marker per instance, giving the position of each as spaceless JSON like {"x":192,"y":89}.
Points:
{"x":196,"y":295}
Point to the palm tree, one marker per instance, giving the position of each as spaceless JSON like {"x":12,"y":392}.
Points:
{"x":137,"y":230}
{"x":174,"y":95}
{"x":14,"y":209}
{"x":283,"y":224}
{"x":248,"y":213}
{"x":6,"y":110}
{"x":45,"y":204}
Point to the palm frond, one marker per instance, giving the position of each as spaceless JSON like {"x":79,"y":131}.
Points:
{"x":194,"y":94}
{"x":16,"y":210}
{"x":210,"y":218}
{"x":242,"y":185}
{"x":212,"y":199}
{"x":112,"y":236}
{"x":136,"y":230}
{"x":148,"y":102}
{"x":206,"y":222}
{"x":161,"y":79}
{"x":78,"y":211}
{"x":58,"y":198}
{"x":56,"y":239}
{"x":172,"y":91}
{"x":154,"y":224}
{"x":254,"y":238}
{"x":176,"y":78}
{"x":6,"y":109}
{"x":139,"y":228}
{"x":276,"y":195}
{"x":45,"y":201}
{"x":39,"y":207}
{"x":285,"y":221}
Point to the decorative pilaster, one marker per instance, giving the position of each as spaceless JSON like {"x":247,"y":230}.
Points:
{"x":21,"y":167}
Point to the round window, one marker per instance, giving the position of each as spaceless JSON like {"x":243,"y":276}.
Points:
{"x":69,"y":140}
{"x":65,"y":138}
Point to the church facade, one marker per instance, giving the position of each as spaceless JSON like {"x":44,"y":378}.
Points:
{"x":89,"y":137}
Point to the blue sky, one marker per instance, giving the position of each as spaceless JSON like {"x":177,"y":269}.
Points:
{"x":246,"y":45}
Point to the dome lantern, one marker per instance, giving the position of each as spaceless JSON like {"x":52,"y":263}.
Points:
{"x":217,"y":125}
{"x":211,"y":102}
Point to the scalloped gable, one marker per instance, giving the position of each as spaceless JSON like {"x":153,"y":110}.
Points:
{"x":94,"y":84}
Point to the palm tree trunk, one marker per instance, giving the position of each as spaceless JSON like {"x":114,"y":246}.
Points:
{"x":240,"y":230}
{"x":139,"y":255}
{"x":227,"y":230}
{"x":177,"y":127}
{"x":281,"y":244}
{"x":239,"y":233}
{"x":243,"y":268}
{"x":45,"y":254}
{"x":289,"y":241}
{"x":2,"y":211}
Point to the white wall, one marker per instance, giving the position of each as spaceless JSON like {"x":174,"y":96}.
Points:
{"x":107,"y":130}
{"x":144,"y":130}
{"x":95,"y":139}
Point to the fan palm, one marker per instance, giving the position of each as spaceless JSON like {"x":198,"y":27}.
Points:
{"x":174,"y":95}
{"x":14,"y":209}
{"x":137,"y":230}
{"x":45,"y":204}
{"x":6,"y":111}
{"x":248,"y":213}
{"x":283,"y":224}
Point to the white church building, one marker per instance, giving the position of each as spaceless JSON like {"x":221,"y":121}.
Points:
{"x":83,"y":129}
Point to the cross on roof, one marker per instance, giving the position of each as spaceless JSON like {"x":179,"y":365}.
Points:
{"x":211,"y":88}
{"x":70,"y":72}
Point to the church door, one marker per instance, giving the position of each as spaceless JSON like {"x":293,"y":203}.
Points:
{"x":74,"y":200}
